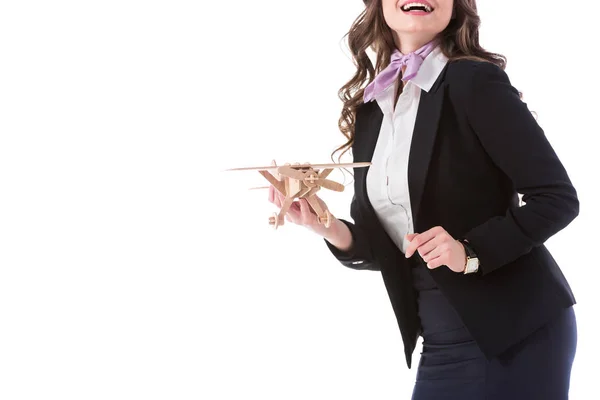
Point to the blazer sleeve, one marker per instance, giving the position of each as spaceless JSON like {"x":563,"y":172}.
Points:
{"x":518,"y":146}
{"x":360,"y":255}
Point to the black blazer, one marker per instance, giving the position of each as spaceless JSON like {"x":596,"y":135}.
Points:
{"x":475,"y":146}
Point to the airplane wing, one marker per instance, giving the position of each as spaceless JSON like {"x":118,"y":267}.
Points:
{"x":299,"y":166}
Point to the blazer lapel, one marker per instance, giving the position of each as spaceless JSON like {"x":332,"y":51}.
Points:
{"x":369,"y":133}
{"x":426,"y":128}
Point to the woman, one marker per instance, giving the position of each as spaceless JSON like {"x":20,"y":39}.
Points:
{"x":438,"y":212}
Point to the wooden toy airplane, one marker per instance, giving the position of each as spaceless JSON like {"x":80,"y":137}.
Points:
{"x":301,"y":181}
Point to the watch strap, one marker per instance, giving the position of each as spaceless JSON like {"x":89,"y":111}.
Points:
{"x":468,"y":248}
{"x":472,"y":262}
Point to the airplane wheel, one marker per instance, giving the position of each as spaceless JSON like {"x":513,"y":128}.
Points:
{"x":274,"y":221}
{"x":326,"y":220}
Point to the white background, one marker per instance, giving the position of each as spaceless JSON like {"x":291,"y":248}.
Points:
{"x":132,"y":267}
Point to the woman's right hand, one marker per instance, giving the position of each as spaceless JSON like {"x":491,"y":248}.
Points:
{"x":301,"y":213}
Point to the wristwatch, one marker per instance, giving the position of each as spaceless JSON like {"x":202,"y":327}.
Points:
{"x":472,"y":260}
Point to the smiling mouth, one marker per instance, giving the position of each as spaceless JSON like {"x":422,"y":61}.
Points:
{"x":416,"y":7}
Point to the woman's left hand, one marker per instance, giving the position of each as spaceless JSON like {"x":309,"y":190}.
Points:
{"x":437,"y":247}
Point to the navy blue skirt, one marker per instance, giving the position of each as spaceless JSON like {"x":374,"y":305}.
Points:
{"x":453,"y":367}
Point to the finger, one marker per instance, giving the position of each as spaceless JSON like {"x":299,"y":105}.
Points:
{"x":419,"y":240}
{"x":307,"y":216}
{"x":441,"y":244}
{"x":435,"y":245}
{"x":271,"y":193}
{"x":303,"y":211}
{"x":435,"y":263}
{"x":295,"y":206}
{"x":433,"y":254}
{"x":410,"y":236}
{"x":292,"y":218}
{"x":294,"y":213}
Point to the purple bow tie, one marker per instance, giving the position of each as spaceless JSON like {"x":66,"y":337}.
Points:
{"x":389,"y":74}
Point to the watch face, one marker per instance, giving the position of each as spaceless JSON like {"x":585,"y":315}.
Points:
{"x":472,"y":265}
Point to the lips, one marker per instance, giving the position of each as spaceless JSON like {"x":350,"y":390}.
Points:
{"x":417,"y":6}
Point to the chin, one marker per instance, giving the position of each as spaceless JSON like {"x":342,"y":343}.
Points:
{"x":407,"y":24}
{"x":415,"y":29}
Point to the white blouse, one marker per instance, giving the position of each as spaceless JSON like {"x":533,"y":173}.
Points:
{"x":387,"y":178}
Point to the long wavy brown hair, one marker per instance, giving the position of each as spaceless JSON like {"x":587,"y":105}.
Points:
{"x":460,"y":40}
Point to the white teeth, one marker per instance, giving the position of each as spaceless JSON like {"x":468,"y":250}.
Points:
{"x":407,"y":6}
